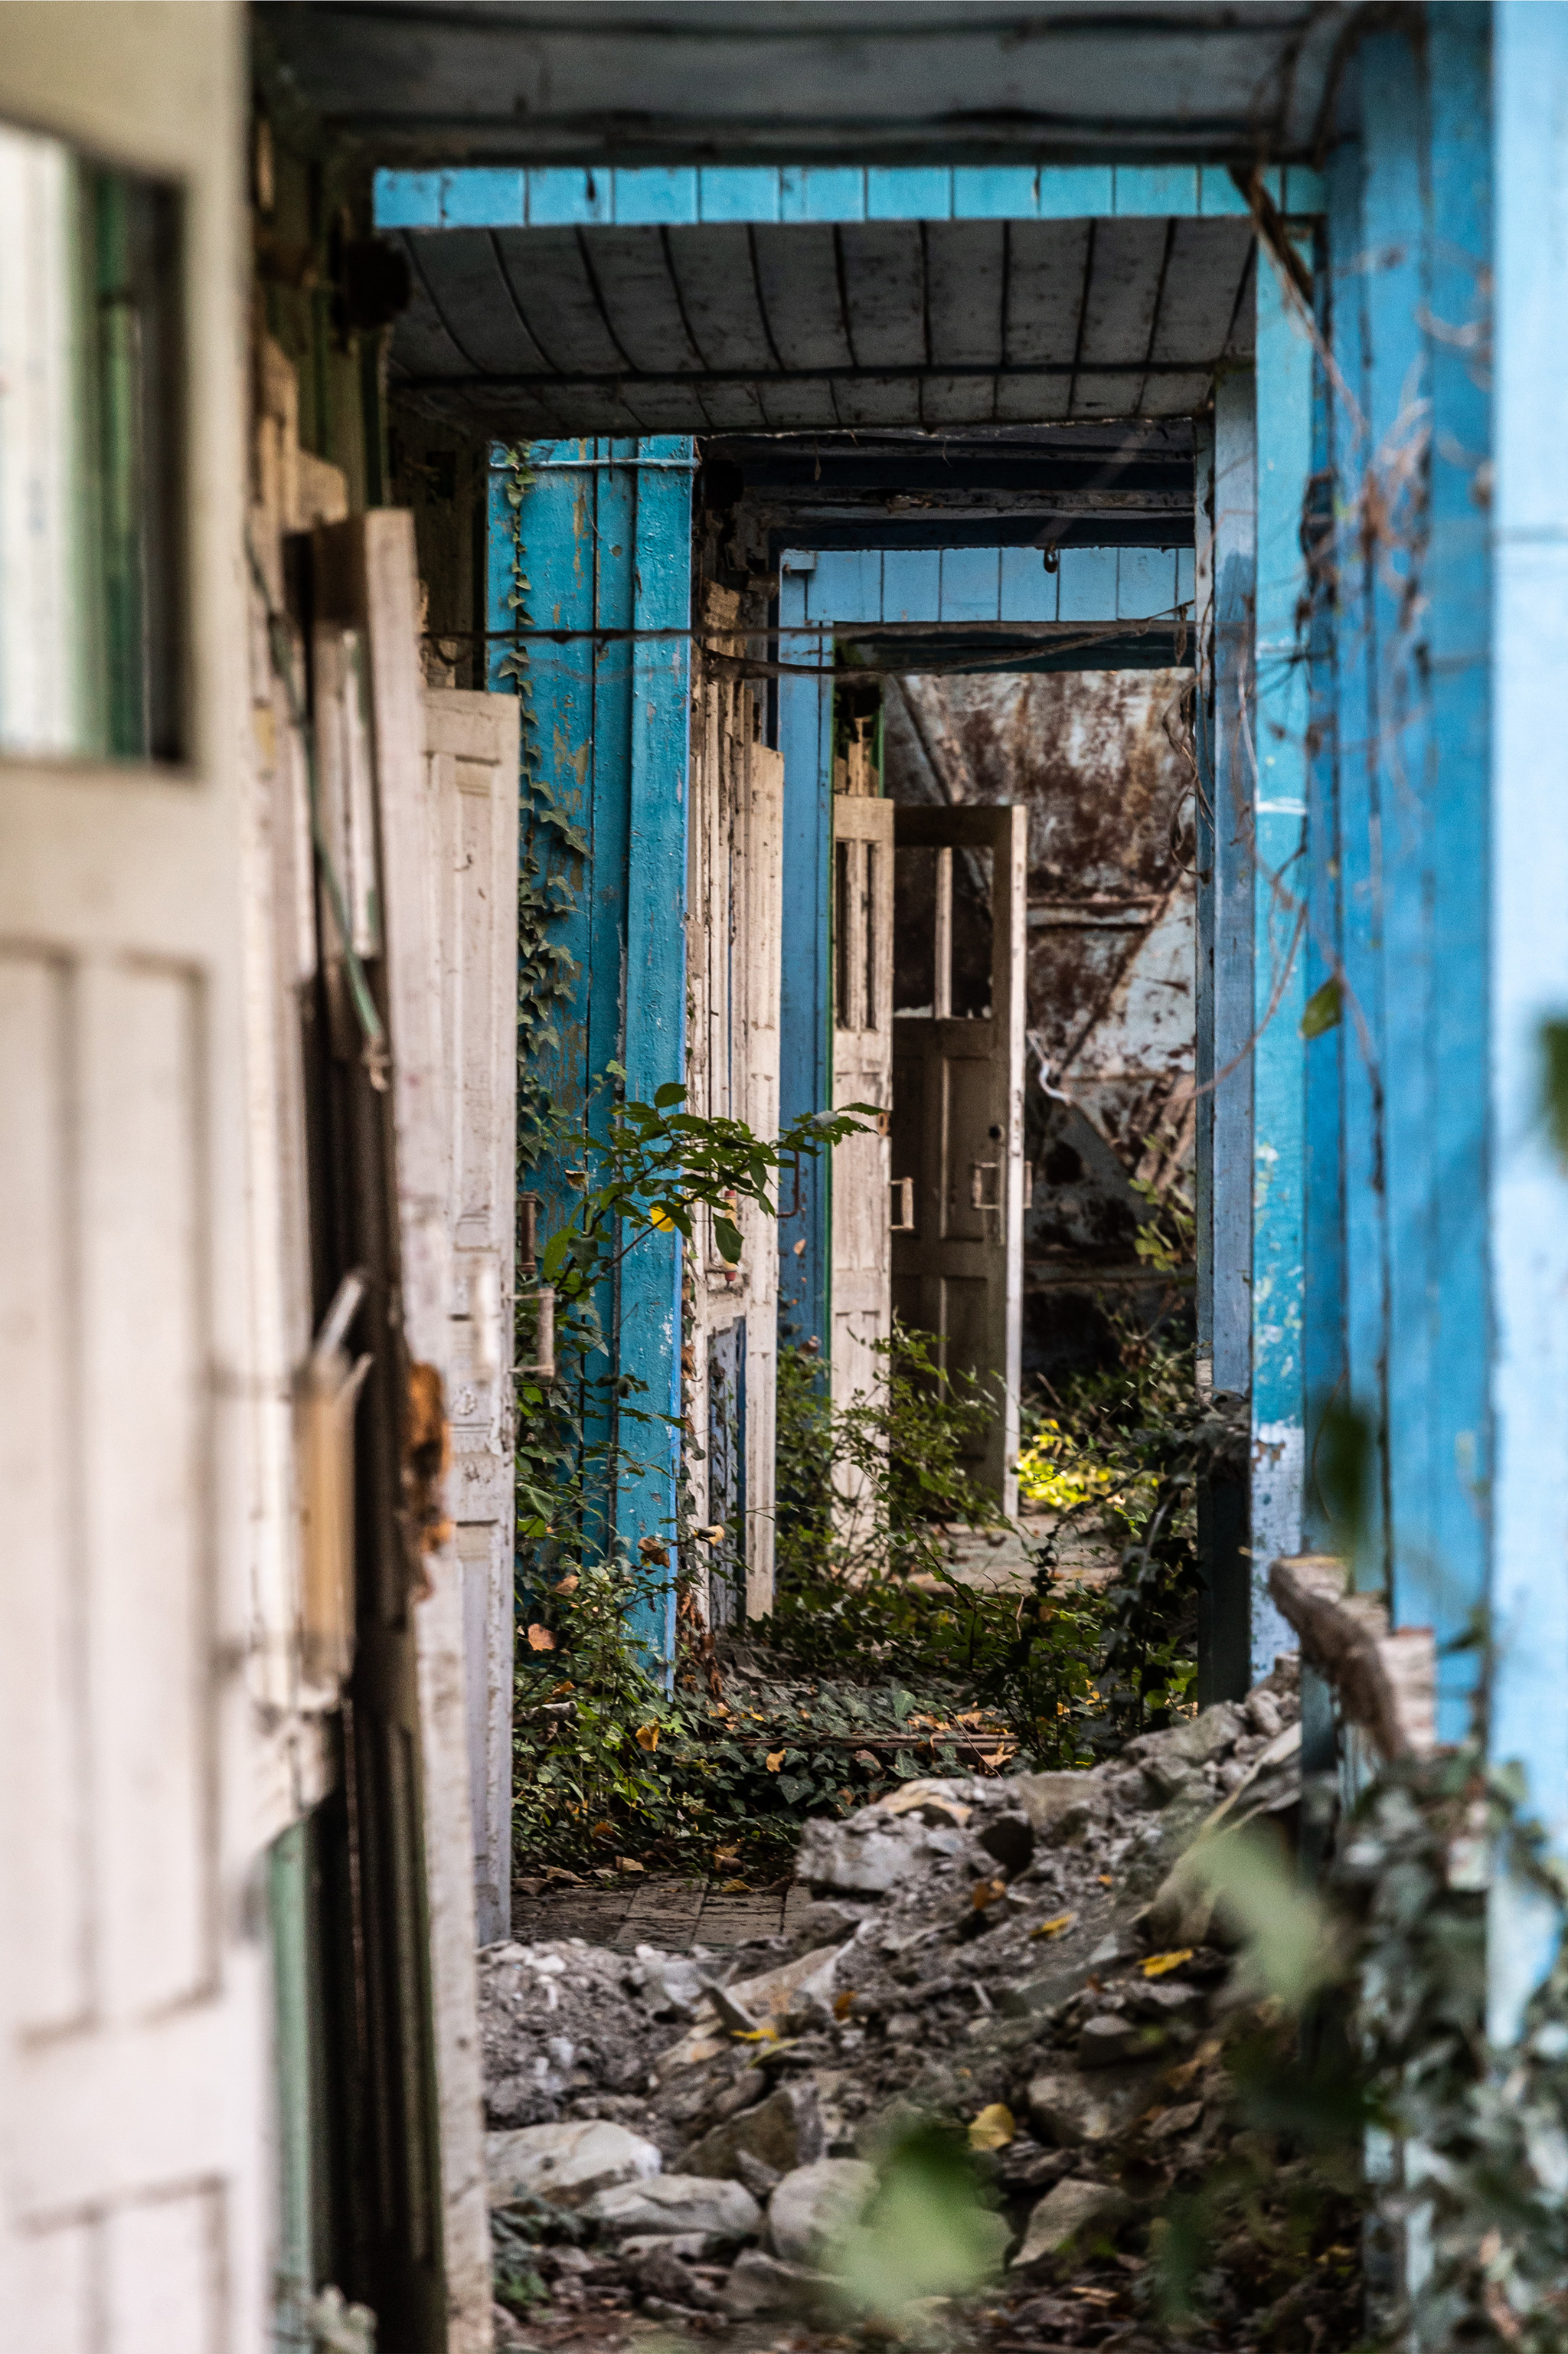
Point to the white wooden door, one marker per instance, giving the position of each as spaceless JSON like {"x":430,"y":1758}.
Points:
{"x":135,"y":2158}
{"x":472,"y":747}
{"x":862,"y":1073}
{"x":957,"y":1112}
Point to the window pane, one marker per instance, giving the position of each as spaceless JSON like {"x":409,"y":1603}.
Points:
{"x":90,"y":458}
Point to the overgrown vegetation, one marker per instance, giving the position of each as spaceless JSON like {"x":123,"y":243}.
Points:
{"x":881,"y":1659}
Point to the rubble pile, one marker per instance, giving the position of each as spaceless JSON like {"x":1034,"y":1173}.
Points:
{"x":692,"y":2134}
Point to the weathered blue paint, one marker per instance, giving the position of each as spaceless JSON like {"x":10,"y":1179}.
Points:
{"x":606,"y":529}
{"x":1235,"y":521}
{"x":1204,"y":893}
{"x":1323,"y":1360}
{"x":1529,"y":960}
{"x":1394,"y":229}
{"x":489,"y":196}
{"x":805,"y":1069}
{"x":1458,"y":54}
{"x":992,"y":584}
{"x":1278,"y":758}
{"x":1360,"y":879}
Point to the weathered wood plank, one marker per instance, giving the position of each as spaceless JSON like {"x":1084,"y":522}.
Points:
{"x":717,"y":285}
{"x":884,"y":277}
{"x":642,"y":302}
{"x":798,"y":276}
{"x":463,"y":272}
{"x":556,"y":298}
{"x":966,"y":279}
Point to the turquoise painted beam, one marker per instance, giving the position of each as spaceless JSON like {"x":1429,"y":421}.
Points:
{"x":805,"y":1065}
{"x":1277,"y":755}
{"x":1458,"y":630}
{"x":1528,"y":963}
{"x":1364,"y":1240}
{"x":475,"y":196}
{"x":1203,"y":861}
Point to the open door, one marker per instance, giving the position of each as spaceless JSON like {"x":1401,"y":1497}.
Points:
{"x":957,"y":1100}
{"x":862,"y":1073}
{"x":471,"y":746}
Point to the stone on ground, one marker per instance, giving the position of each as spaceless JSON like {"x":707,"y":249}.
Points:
{"x":1076,"y":2213}
{"x":812,"y":2206}
{"x":762,"y":2284}
{"x":672,"y":2203}
{"x":567,"y":2164}
{"x":784,"y":2132}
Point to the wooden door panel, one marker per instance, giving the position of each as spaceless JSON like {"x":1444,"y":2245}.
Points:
{"x":862,"y":1304}
{"x":957,"y":1119}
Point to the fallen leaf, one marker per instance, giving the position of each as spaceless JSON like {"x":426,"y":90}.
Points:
{"x":1106,"y":1880}
{"x":628,"y":1863}
{"x":1158,"y":1964}
{"x":734,"y":1888}
{"x":654,"y":1550}
{"x":768,"y":2034}
{"x":986,"y":1893}
{"x":775,"y":1759}
{"x":601,"y":1831}
{"x":559,"y":1871}
{"x":541,"y":1639}
{"x":648,"y":1737}
{"x":567,"y":1585}
{"x":993,"y":2128}
{"x":726,"y":1855}
{"x":842,"y":2003}
{"x":1056,"y":1927}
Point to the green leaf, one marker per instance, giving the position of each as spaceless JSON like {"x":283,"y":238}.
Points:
{"x":671,"y":1092}
{"x":728,"y":1239}
{"x":1322,"y":1009}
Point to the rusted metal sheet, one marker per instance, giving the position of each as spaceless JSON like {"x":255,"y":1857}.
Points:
{"x":1099,"y":760}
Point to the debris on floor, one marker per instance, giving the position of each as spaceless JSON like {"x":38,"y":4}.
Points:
{"x":697,"y":2137}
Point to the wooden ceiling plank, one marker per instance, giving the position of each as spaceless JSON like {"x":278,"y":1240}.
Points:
{"x":735,"y":409}
{"x":554,"y":291}
{"x":1031,"y":399}
{"x":1104,"y":396}
{"x":880,"y":400}
{"x":465,"y":276}
{"x":1198,"y":299}
{"x":1046,"y":265}
{"x":712,"y":267}
{"x":800,"y":408}
{"x":1120,"y":299}
{"x":885,"y":285}
{"x":958,"y":400}
{"x":797,"y":270}
{"x":424,"y":346}
{"x":965,"y":264}
{"x":641,"y":299}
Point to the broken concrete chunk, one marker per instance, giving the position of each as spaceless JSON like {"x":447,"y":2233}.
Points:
{"x":672,"y":2203}
{"x":1072,"y":1825}
{"x":765,"y":1998}
{"x":567,"y":2164}
{"x":1045,"y":1796}
{"x":660,"y":2272}
{"x":932,"y":1803}
{"x":762,"y":2284}
{"x":813,"y":2206}
{"x":692,"y":2247}
{"x":784,"y":2132}
{"x":1076,"y":2213}
{"x":1071,"y":2109}
{"x":865,"y":1863}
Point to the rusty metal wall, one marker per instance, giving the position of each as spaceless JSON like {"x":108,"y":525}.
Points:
{"x":1100,"y":758}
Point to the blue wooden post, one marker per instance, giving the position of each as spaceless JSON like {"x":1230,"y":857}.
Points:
{"x":1203,"y":895}
{"x":1458,"y":54}
{"x":1225,"y":1608}
{"x":805,"y":1068}
{"x":1359,"y":877}
{"x":1323,"y":1361}
{"x":659,"y":563}
{"x":1284,"y":376}
{"x":1528,"y":958}
{"x":606,"y":532}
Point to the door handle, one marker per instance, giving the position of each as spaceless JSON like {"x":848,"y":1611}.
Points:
{"x":985,"y":1184}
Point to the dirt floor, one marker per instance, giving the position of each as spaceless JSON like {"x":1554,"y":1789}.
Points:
{"x":712,"y":2113}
